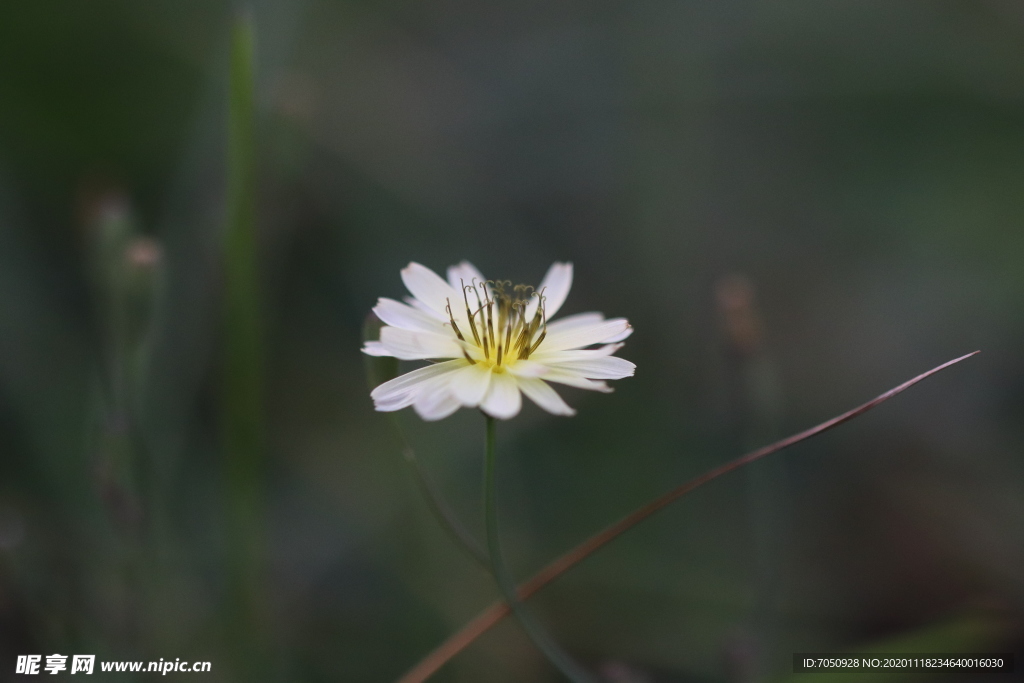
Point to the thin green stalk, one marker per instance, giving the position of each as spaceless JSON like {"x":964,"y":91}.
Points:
{"x":558,"y":657}
{"x":442,"y":513}
{"x":380,"y":369}
{"x":244,"y":439}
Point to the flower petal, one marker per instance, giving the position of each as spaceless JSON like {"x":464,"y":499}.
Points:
{"x":555,"y":357}
{"x":464,"y":273}
{"x":527,"y":368}
{"x":396,"y":390}
{"x":503,"y":399}
{"x":428,"y":287}
{"x":619,"y":337}
{"x":420,"y":306}
{"x":436,"y":387}
{"x":610,"y":367}
{"x":436,"y":405}
{"x":554,"y":287}
{"x":469,"y":385}
{"x":398,"y":402}
{"x":543,"y":395}
{"x":585,"y":335}
{"x":375,"y":348}
{"x":397,"y":314}
{"x":574,"y":379}
{"x":412,"y":345}
{"x":574,"y":321}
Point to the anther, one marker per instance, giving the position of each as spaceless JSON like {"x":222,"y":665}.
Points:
{"x":469,"y":313}
{"x":489,"y":337}
{"x":542,"y":313}
{"x":508,"y":328}
{"x":533,"y":348}
{"x":451,"y":319}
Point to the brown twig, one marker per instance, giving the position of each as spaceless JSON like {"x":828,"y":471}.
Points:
{"x":460,"y":640}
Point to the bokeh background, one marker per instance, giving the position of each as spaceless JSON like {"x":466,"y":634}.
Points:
{"x":798,"y":205}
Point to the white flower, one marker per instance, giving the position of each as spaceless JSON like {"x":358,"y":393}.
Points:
{"x":493,"y":341}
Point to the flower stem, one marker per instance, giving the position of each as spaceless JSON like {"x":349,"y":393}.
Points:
{"x":435,"y":502}
{"x":558,"y":657}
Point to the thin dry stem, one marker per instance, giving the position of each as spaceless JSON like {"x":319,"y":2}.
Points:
{"x":499,"y":610}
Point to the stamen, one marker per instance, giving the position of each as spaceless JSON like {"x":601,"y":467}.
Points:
{"x":542,"y":311}
{"x":521,"y":340}
{"x":533,"y":348}
{"x":503,"y":328}
{"x":490,"y":316}
{"x":519,"y":307}
{"x":503,"y":304}
{"x":480,"y":312}
{"x":451,"y":319}
{"x":458,"y":333}
{"x":531,"y":327}
{"x":476,"y":292}
{"x":469,"y":314}
{"x":508,"y":329}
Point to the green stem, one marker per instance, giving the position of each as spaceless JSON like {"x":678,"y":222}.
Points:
{"x":558,"y":657}
{"x":435,"y":502}
{"x":242,"y":405}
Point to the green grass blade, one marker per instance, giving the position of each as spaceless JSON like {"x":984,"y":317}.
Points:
{"x":243,"y":353}
{"x":243,"y":364}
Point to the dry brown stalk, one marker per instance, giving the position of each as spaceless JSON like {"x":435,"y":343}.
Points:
{"x":458,"y":641}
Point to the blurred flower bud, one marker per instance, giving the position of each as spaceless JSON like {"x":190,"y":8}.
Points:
{"x":143,"y":253}
{"x":741,"y":324}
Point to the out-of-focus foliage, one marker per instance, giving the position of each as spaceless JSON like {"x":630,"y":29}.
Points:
{"x":798,"y":205}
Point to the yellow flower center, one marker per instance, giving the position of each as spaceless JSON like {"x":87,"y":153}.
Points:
{"x":498,"y":324}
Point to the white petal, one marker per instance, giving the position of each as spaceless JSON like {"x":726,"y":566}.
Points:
{"x":397,"y":314}
{"x":543,"y":395}
{"x":611,"y":367}
{"x":469,"y":385}
{"x":464,"y":273}
{"x":574,"y":321}
{"x":528,"y":368}
{"x":420,"y":306}
{"x":396,"y":401}
{"x":574,"y":379}
{"x":411,"y":345}
{"x":554,"y":357}
{"x":394,"y":390}
{"x":555,"y":288}
{"x":584,"y":335}
{"x":427,"y":393}
{"x":619,"y":337}
{"x":436,"y":405}
{"x":375,"y":348}
{"x":428,"y":287}
{"x":503,"y":399}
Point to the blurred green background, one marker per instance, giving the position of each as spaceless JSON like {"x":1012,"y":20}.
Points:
{"x":797,"y":205}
